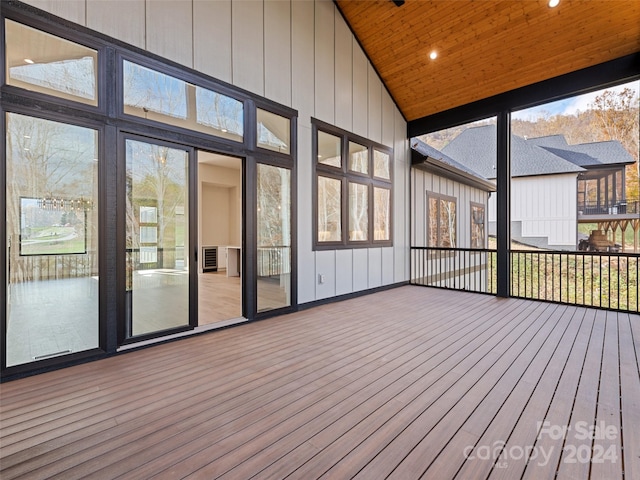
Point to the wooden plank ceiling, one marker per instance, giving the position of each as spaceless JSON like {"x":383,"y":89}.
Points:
{"x":485,"y":47}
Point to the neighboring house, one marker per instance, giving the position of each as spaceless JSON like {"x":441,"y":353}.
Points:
{"x":449,"y":202}
{"x":554,"y":185}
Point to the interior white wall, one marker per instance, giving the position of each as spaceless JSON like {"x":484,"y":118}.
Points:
{"x":219,"y":207}
{"x":298,"y":53}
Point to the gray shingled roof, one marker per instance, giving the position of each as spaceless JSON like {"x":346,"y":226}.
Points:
{"x":598,"y":153}
{"x":449,"y":164}
{"x":476,"y":148}
{"x":555,"y":141}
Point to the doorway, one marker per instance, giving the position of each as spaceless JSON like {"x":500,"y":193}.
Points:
{"x":220,"y":230}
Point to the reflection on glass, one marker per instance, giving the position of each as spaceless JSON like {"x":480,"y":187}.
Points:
{"x":44,"y":63}
{"x":274,"y":131}
{"x":329,"y":149}
{"x":381,"y":213}
{"x":477,"y":226}
{"x":157,"y":235}
{"x":52,"y":239}
{"x":160,"y":97}
{"x":274,"y":237}
{"x":442,"y":222}
{"x":381,"y":165}
{"x":358,"y":158}
{"x":329,"y":209}
{"x":358,"y":212}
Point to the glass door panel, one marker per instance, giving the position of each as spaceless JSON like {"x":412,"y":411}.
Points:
{"x":157,"y":260}
{"x":274,"y":237}
{"x":52,"y":239}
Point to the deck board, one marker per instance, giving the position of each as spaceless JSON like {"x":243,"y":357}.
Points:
{"x":390,"y":385}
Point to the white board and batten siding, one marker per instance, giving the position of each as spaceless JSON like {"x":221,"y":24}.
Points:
{"x":422,"y":183}
{"x":466,"y":270}
{"x":300,"y":54}
{"x":546,"y":207}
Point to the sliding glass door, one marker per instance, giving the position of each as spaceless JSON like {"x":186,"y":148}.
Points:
{"x":157,"y":238}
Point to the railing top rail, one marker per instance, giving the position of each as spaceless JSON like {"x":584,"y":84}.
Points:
{"x":533,"y":251}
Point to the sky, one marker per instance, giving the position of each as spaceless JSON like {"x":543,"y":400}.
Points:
{"x":569,"y":106}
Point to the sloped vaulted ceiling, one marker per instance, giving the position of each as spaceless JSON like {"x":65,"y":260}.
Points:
{"x":485,"y":47}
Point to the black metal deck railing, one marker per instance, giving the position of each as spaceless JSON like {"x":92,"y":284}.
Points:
{"x":603,"y":280}
{"x":624,"y":207}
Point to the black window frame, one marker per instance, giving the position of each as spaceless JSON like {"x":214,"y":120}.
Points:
{"x":109,"y":119}
{"x":347,"y":176}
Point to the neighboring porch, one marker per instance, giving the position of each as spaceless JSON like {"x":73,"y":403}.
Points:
{"x":407,"y":383}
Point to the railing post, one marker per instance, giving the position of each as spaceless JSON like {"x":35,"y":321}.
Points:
{"x":503,"y":207}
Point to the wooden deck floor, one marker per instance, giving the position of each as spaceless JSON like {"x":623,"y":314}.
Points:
{"x":408,"y":383}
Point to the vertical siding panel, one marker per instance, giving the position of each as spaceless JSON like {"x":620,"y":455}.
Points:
{"x":375,"y":106}
{"x":360,"y":91}
{"x":344,"y":73}
{"x":388,"y":119}
{"x":247,"y":45}
{"x":388,"y":267}
{"x":375,"y":267}
{"x":419,"y":211}
{"x":277,"y":51}
{"x":325,"y":58}
{"x":360,"y":269}
{"x":72,"y":10}
{"x":106,"y":17}
{"x":302,"y":61}
{"x":306,"y":257}
{"x":326,"y":265}
{"x":176,"y":17}
{"x":401,"y":209}
{"x":212,"y":46}
{"x":344,"y":272}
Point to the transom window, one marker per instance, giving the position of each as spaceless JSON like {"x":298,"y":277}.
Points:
{"x":43,"y":63}
{"x":160,"y":97}
{"x":353,"y":190}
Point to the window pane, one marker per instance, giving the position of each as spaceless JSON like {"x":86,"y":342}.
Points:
{"x":274,"y":237}
{"x":477,"y":226}
{"x":447,"y":223}
{"x":162,"y":98}
{"x":329,"y":209}
{"x":44,"y":63}
{"x":381,"y":214}
{"x":52,"y":239}
{"x":358,"y":212}
{"x":329,"y":150}
{"x":274,"y":131}
{"x":221,"y":113}
{"x":358,"y":158}
{"x":157,"y":237}
{"x":381,"y":165}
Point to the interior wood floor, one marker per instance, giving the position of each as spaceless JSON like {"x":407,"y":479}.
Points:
{"x":407,"y":383}
{"x":219,"y":297}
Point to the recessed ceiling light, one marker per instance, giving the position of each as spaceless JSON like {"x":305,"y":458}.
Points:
{"x":28,"y":60}
{"x":553,"y":3}
{"x":433,"y":55}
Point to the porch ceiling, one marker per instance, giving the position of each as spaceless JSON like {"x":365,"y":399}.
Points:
{"x":485,"y":47}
